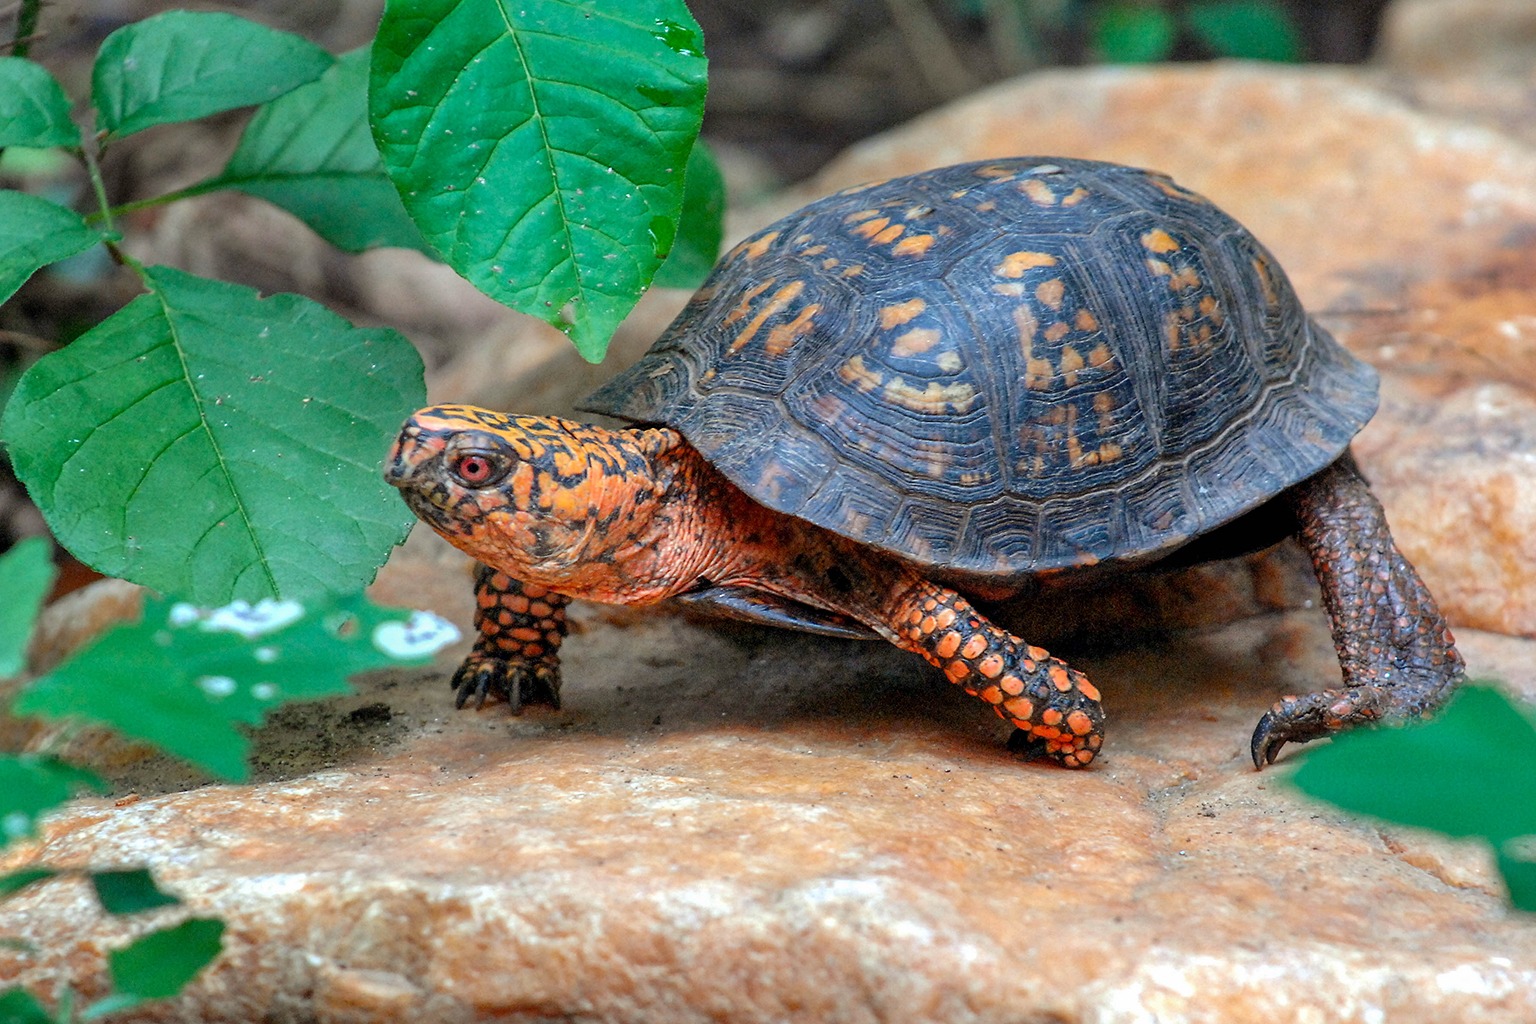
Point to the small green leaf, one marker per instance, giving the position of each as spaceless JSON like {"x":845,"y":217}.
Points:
{"x":1469,"y":771}
{"x":1133,"y":33}
{"x":182,"y":65}
{"x":697,"y":245}
{"x":17,"y":1006}
{"x":18,"y":880}
{"x":159,"y":965}
{"x":539,"y":146}
{"x":33,"y":234}
{"x":1247,"y":29}
{"x":1519,"y":872}
{"x":33,"y":108}
{"x":130,"y":891}
{"x":311,"y":153}
{"x":207,"y":442}
{"x":26,"y":576}
{"x":33,"y":784}
{"x":186,"y":679}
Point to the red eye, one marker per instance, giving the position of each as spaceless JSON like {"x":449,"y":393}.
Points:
{"x":474,"y":469}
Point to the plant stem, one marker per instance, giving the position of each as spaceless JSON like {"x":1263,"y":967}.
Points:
{"x":104,"y":213}
{"x":201,"y":188}
{"x":26,"y":25}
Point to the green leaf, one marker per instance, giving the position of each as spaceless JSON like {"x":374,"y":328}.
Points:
{"x":1469,"y":771}
{"x":1519,"y":871}
{"x":206,"y":442}
{"x":311,"y":153}
{"x":699,"y":232}
{"x":130,"y":891}
{"x":538,"y":146}
{"x":16,"y":881}
{"x":33,"y":234}
{"x":17,"y":1006}
{"x":182,"y":65}
{"x":186,"y":679}
{"x":33,"y":784}
{"x":1133,"y":33}
{"x":159,"y":965}
{"x":26,"y":576}
{"x":1248,"y":29}
{"x":33,"y":108}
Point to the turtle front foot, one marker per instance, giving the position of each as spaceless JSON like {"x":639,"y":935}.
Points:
{"x":519,"y":681}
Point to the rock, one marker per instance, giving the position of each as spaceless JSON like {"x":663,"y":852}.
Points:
{"x":1460,"y":473}
{"x":1455,"y":37}
{"x":842,"y":838}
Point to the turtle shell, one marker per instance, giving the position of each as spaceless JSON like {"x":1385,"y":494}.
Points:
{"x":1000,"y":368}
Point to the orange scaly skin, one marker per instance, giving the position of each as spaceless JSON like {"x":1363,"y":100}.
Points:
{"x":637,"y":516}
{"x":521,"y":628}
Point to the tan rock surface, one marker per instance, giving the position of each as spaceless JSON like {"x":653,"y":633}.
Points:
{"x":742,"y":825}
{"x":1455,"y":37}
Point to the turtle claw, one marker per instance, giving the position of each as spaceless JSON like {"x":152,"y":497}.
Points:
{"x":1312,"y":716}
{"x":518,"y":681}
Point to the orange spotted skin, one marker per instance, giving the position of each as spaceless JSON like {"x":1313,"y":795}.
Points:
{"x":517,"y":656}
{"x":637,"y":517}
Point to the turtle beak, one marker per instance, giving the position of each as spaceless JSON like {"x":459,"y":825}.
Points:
{"x":396,"y":470}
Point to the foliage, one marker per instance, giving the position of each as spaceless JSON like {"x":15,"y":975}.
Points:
{"x":27,"y":573}
{"x":217,"y":445}
{"x":210,"y":443}
{"x":1128,"y":32}
{"x":1468,"y":772}
{"x":1141,"y":31}
{"x":561,"y":198}
{"x":185,"y":679}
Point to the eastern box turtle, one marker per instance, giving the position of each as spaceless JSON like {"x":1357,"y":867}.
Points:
{"x":954,"y":383}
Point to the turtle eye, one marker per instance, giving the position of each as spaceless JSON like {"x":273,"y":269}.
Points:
{"x":478,"y":469}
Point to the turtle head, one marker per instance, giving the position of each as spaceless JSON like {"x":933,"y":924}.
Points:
{"x":534,"y":496}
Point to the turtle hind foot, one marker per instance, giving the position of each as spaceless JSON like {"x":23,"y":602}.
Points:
{"x":519,"y":681}
{"x":1314,"y":715}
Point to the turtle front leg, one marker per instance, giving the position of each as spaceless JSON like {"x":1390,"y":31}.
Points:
{"x":518,"y":654}
{"x":1397,"y":653}
{"x":1054,"y":707}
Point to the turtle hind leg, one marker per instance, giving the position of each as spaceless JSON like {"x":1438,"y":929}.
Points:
{"x":517,"y":656}
{"x":1396,"y":651}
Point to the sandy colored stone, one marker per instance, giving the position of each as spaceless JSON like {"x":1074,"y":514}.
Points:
{"x":1460,"y":472}
{"x":1454,"y":37}
{"x":739,"y":824}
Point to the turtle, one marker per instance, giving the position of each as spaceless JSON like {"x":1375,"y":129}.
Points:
{"x":917,"y":398}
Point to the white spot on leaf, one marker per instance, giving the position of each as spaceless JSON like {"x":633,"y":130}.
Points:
{"x":420,"y":636}
{"x":217,"y":686}
{"x":249,"y":620}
